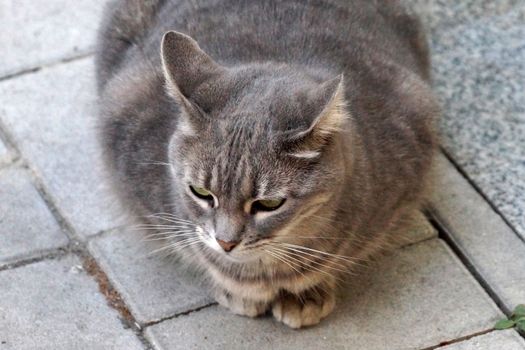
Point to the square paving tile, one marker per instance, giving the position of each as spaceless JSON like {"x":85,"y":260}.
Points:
{"x":153,"y":287}
{"x":27,"y":227}
{"x":52,"y":117}
{"x":496,"y":252}
{"x":5,"y":155}
{"x":418,"y":297}
{"x":54,"y":305}
{"x":39,"y":32}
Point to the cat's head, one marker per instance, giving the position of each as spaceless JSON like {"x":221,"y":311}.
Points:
{"x":257,"y":152}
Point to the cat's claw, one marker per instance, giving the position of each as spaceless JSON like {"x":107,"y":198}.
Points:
{"x":302,"y":311}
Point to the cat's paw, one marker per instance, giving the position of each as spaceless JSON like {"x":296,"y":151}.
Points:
{"x":307,"y":309}
{"x":241,"y":306}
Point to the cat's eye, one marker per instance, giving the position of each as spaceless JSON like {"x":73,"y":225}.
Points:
{"x":202,"y":193}
{"x":267,"y":204}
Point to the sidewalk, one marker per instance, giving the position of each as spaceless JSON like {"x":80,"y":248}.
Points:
{"x":73,"y":277}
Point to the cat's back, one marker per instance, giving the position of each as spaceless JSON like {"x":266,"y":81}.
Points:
{"x":324,"y":33}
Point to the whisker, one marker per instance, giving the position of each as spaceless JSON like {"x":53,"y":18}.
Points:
{"x":152,"y":238}
{"x":174,"y":247}
{"x":320,"y":237}
{"x":282,"y":259}
{"x":298,"y":251}
{"x":162,"y":227}
{"x":175,"y":232}
{"x":320,"y":286}
{"x":310,"y":267}
{"x":342,"y":257}
{"x":170,"y":218}
{"x":155,"y":163}
{"x":321,"y":265}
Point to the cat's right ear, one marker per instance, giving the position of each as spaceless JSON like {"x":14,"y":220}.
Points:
{"x":186,"y":67}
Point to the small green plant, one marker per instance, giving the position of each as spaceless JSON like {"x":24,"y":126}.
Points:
{"x":517,"y":319}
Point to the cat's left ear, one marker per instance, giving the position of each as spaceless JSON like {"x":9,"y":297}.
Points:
{"x":329,"y":99}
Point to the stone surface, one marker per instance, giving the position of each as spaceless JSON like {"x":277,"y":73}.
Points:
{"x":495,"y":251}
{"x":506,"y":340}
{"x":40,"y":32}
{"x":5,"y":155}
{"x":484,"y":37}
{"x":51,"y":115}
{"x":27,"y":228}
{"x":479,"y":76}
{"x":416,"y":298}
{"x":55,"y":305}
{"x":443,"y":14}
{"x":152,"y":286}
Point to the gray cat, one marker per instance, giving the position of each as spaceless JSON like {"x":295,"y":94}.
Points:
{"x":273,"y":144}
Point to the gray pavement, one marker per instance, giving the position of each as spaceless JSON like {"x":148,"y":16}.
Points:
{"x":57,"y":212}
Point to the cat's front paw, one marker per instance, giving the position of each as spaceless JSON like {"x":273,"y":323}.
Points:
{"x":303,"y":310}
{"x":241,"y":306}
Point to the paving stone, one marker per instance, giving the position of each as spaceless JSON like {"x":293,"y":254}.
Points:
{"x":418,"y":297}
{"x":480,"y":78}
{"x":497,"y":253}
{"x":54,"y":305}
{"x":39,"y":32}
{"x":51,"y":115}
{"x":27,"y":227}
{"x":506,"y":340}
{"x":5,"y":155}
{"x":153,"y":287}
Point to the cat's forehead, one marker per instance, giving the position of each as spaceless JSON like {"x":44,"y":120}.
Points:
{"x":237,"y":169}
{"x":267,"y":91}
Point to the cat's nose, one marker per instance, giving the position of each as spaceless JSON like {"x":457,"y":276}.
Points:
{"x":227,"y":246}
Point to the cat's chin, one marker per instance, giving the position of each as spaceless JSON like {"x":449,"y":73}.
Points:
{"x":241,"y":256}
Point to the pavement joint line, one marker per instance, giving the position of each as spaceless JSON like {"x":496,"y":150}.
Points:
{"x":448,"y":238}
{"x":480,"y":192}
{"x":8,"y":139}
{"x":461,"y":339}
{"x":413,"y":243}
{"x":76,"y":245}
{"x":13,"y":162}
{"x":107,"y":231}
{"x":79,"y":248}
{"x":95,"y":271}
{"x":56,"y":253}
{"x":112,"y":295}
{"x":179,"y":314}
{"x":38,"y":67}
{"x":65,"y":226}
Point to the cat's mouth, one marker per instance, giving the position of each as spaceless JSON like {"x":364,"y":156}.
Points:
{"x":241,"y":253}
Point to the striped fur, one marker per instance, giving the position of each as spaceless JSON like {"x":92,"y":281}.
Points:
{"x":322,"y":102}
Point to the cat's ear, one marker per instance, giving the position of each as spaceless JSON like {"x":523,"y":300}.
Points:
{"x":329,"y":99}
{"x":186,"y":67}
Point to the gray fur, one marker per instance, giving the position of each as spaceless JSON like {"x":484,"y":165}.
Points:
{"x":242,"y":88}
